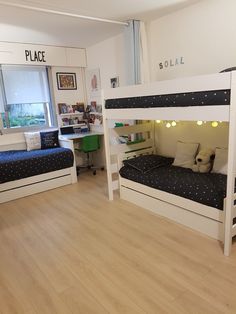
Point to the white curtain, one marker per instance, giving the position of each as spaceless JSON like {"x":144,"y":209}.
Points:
{"x":25,"y":84}
{"x":136,"y":53}
{"x":144,"y":64}
{"x":1,"y":99}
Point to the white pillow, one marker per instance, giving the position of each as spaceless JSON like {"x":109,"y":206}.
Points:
{"x":185,"y":154}
{"x":221,"y":161}
{"x":33,"y":140}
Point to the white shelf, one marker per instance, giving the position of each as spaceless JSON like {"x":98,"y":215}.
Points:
{"x":71,"y":114}
{"x":96,"y":113}
{"x":78,"y":124}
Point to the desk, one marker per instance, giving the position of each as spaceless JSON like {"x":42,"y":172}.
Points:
{"x":77,"y":136}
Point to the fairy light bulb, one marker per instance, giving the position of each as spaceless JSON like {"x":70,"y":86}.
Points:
{"x":199,"y":122}
{"x":168,"y":125}
{"x":158,"y":121}
{"x":173,"y":123}
{"x":214,"y":124}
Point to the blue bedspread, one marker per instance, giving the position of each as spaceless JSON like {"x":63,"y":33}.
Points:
{"x":19,"y":164}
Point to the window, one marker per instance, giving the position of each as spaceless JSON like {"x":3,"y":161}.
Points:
{"x":24,"y":97}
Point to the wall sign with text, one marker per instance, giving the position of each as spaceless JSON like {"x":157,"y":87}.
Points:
{"x":168,"y":63}
{"x":18,"y":53}
{"x":35,"y":56}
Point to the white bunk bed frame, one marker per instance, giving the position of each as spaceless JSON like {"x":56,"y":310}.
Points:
{"x":215,"y":223}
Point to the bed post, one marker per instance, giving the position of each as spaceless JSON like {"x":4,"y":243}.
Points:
{"x":107,"y":149}
{"x":230,"y":169}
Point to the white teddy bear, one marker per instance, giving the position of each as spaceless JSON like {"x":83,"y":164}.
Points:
{"x":204,"y":160}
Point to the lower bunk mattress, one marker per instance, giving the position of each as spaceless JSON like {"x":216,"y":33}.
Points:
{"x":20,"y":164}
{"x":205,"y":188}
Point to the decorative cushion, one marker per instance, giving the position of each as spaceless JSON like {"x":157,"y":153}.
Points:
{"x":185,"y":154}
{"x":49,"y":139}
{"x":146,"y":163}
{"x":33,"y":140}
{"x":221,"y":161}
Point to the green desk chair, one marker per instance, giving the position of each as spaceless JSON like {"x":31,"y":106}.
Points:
{"x":88,"y":145}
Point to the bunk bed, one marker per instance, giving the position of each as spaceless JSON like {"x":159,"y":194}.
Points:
{"x":207,"y":98}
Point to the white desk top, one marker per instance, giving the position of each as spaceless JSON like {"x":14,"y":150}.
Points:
{"x":75,"y":136}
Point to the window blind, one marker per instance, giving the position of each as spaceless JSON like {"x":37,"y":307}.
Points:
{"x":25,"y":84}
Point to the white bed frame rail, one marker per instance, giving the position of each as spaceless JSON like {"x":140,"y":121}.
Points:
{"x":35,"y":184}
{"x":220,"y":81}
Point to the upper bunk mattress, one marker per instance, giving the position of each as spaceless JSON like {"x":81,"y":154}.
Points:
{"x":205,"y":188}
{"x":206,"y":98}
{"x":19,"y":164}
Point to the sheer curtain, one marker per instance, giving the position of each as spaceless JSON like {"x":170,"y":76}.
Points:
{"x":1,"y":99}
{"x":136,"y":53}
{"x":144,"y":57}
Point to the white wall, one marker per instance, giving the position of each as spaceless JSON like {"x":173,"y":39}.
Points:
{"x":202,"y":33}
{"x":109,"y":57}
{"x":206,"y":135}
{"x":70,"y":97}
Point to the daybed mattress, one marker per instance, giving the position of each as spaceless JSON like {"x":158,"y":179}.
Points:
{"x":205,"y":188}
{"x":206,"y":98}
{"x":19,"y":164}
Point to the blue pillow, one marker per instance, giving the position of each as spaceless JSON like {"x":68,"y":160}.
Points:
{"x":49,"y":139}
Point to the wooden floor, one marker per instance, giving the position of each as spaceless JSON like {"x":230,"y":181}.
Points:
{"x":70,"y":250}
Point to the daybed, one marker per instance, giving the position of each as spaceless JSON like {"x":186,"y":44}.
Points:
{"x":207,"y":98}
{"x":25,"y":172}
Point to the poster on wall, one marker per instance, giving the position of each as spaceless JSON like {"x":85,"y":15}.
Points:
{"x":93,"y":81}
{"x":94,"y":106}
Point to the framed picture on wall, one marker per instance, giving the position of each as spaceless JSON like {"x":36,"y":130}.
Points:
{"x":66,"y":81}
{"x":93,"y":81}
{"x":114,"y":82}
{"x":79,"y":107}
{"x":62,"y":108}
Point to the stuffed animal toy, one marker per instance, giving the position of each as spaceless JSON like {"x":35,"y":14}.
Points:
{"x":204,"y":160}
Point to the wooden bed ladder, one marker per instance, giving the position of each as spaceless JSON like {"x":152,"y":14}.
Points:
{"x":113,"y":151}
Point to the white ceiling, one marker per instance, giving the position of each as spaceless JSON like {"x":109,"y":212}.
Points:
{"x":23,"y":25}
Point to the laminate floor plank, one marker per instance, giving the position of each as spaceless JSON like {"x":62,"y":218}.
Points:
{"x":25,"y":280}
{"x":79,"y":301}
{"x":113,"y":299}
{"x":70,"y":250}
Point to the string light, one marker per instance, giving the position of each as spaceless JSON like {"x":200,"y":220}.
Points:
{"x":214,"y":124}
{"x":199,"y":122}
{"x":158,"y":121}
{"x":173,"y":123}
{"x":168,"y":125}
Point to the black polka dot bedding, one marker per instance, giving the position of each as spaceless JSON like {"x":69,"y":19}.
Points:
{"x":19,"y":164}
{"x":205,"y":188}
{"x":206,"y":98}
